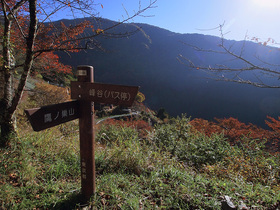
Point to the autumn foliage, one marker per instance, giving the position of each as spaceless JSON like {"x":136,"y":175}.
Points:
{"x":46,"y":94}
{"x":236,"y":131}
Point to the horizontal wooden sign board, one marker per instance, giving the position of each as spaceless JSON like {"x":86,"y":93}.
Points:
{"x":49,"y":116}
{"x":104,"y":93}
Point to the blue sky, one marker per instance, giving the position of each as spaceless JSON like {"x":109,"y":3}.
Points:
{"x":256,"y":18}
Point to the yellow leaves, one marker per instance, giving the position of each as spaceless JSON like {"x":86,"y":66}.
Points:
{"x":99,"y":31}
{"x":140,"y":97}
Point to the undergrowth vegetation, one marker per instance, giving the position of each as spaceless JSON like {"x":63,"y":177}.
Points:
{"x":170,"y":165}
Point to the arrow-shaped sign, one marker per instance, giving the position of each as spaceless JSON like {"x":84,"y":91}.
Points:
{"x":104,"y":93}
{"x":49,"y":116}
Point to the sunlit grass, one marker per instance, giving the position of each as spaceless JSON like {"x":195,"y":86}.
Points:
{"x":167,"y":167}
{"x":38,"y":170}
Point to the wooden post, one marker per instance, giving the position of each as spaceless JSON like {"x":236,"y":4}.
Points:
{"x":85,"y":91}
{"x":87,"y":132}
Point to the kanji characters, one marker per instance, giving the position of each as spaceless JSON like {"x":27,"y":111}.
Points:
{"x":92,"y":92}
{"x":47,"y":117}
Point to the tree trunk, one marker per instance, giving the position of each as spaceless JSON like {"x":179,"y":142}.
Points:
{"x":11,"y":98}
{"x":8,"y":129}
{"x":6,"y":121}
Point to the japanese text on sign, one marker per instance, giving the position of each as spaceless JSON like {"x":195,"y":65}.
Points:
{"x":125,"y":96}
{"x":52,"y":115}
{"x":104,"y":93}
{"x":48,"y":117}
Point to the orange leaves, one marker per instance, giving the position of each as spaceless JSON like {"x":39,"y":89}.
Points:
{"x":57,"y":36}
{"x":50,"y":37}
{"x":264,"y":43}
{"x":50,"y":68}
{"x":205,"y":126}
{"x":99,"y":31}
{"x":18,"y":42}
{"x":273,"y":124}
{"x":235,"y":131}
{"x":62,"y":37}
{"x":50,"y":62}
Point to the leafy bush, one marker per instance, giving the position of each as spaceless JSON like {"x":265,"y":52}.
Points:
{"x":206,"y":150}
{"x":194,"y":149}
{"x":235,"y":131}
{"x":248,"y":162}
{"x":170,"y":136}
{"x":126,"y":157}
{"x":115,"y":130}
{"x":110,"y":135}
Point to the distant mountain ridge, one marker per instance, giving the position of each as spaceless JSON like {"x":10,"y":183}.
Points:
{"x":149,"y":59}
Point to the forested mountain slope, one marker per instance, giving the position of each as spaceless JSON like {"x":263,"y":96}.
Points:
{"x":149,"y":59}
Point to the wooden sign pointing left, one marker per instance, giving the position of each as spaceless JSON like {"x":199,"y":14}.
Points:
{"x":52,"y":115}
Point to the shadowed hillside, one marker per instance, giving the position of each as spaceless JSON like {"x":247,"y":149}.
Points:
{"x":149,"y":60}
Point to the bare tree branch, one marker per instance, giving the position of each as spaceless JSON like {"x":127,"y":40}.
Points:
{"x":105,"y":32}
{"x":248,"y":65}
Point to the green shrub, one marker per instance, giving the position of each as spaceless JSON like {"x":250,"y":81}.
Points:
{"x":248,"y":163}
{"x":196,"y":150}
{"x":169,"y":136}
{"x":114,"y":134}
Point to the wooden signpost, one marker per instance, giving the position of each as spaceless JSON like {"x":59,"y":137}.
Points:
{"x":86,"y":92}
{"x":49,"y":116}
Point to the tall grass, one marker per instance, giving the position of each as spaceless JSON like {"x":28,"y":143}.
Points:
{"x":39,"y":170}
{"x":167,"y":167}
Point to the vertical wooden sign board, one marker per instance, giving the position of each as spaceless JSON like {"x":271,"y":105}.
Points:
{"x":87,"y":132}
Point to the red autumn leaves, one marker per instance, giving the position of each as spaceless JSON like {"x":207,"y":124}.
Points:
{"x":236,"y":131}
